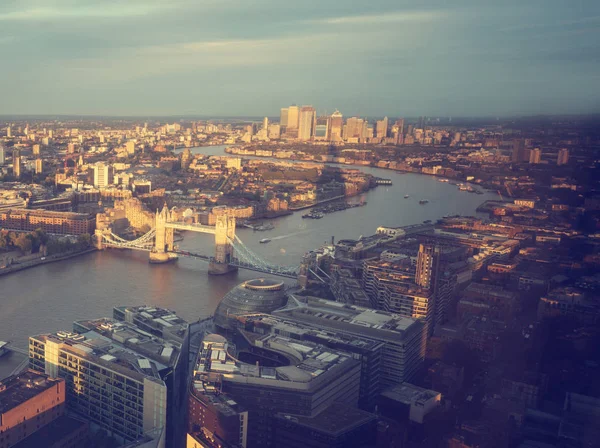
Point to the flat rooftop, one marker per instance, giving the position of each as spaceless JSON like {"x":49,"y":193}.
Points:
{"x":335,"y":420}
{"x":409,"y":393}
{"x":349,"y":318}
{"x":22,"y":388}
{"x":53,"y":432}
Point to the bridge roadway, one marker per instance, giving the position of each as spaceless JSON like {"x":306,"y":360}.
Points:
{"x":190,"y":227}
{"x":239,"y":264}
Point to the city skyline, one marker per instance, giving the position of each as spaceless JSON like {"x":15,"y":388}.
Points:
{"x":232,"y":59}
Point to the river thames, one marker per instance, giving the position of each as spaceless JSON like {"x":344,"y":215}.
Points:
{"x":50,"y":297}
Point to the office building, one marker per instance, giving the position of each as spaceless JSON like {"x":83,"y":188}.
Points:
{"x":304,"y":380}
{"x":382,"y":128}
{"x":214,"y":418}
{"x":306,"y":124}
{"x":8,"y":132}
{"x":2,"y":155}
{"x":124,"y":378}
{"x":404,"y":338}
{"x":293,"y":117}
{"x":563,"y":156}
{"x":322,"y":129}
{"x":535,"y":156}
{"x":253,"y":296}
{"x":39,"y":166}
{"x":16,"y":163}
{"x":354,"y":129}
{"x":130,"y":147}
{"x":337,"y":126}
{"x":103,"y":175}
{"x":428,"y":260}
{"x":283,"y":117}
{"x":339,"y":426}
{"x":28,"y":401}
{"x":61,"y":223}
{"x":266,"y":123}
{"x":36,"y":150}
{"x":407,"y":402}
{"x":518,"y":151}
{"x":136,"y":401}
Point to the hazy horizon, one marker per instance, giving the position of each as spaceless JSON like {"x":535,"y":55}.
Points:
{"x":240,"y":59}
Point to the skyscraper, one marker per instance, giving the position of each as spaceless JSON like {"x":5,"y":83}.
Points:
{"x":427,"y":265}
{"x":283,"y":117}
{"x":293,"y":117}
{"x":563,"y":156}
{"x":323,"y":128}
{"x":8,"y":132}
{"x":39,"y":166}
{"x":102,"y":175}
{"x":266,"y":123}
{"x":354,"y":128}
{"x":535,"y":156}
{"x":2,"y":155}
{"x":337,"y":125}
{"x":306,"y":127}
{"x":518,"y":151}
{"x":17,"y":163}
{"x":382,"y":128}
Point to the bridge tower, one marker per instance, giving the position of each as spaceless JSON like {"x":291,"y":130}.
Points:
{"x":224,"y":235}
{"x":163,"y":240}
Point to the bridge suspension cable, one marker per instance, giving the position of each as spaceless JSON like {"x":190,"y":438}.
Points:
{"x":145,"y":242}
{"x":251,"y":259}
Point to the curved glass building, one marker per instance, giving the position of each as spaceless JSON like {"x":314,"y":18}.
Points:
{"x":253,"y":296}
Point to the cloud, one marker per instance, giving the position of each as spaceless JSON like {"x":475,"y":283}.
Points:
{"x":393,"y":17}
{"x":120,"y":10}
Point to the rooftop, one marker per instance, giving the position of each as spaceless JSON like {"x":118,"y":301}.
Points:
{"x":336,"y":419}
{"x":20,"y":388}
{"x":407,"y":393}
{"x":52,"y":433}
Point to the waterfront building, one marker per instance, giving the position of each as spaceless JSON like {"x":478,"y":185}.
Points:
{"x":306,"y":124}
{"x":253,"y":296}
{"x":293,"y":117}
{"x":61,"y":223}
{"x":21,"y":398}
{"x":404,"y":338}
{"x":280,"y":377}
{"x":563,"y":156}
{"x":283,"y":117}
{"x":382,"y":128}
{"x":322,"y":129}
{"x":337,"y":125}
{"x":120,"y":377}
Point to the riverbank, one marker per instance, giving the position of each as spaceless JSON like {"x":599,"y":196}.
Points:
{"x":43,"y":260}
{"x":323,"y":201}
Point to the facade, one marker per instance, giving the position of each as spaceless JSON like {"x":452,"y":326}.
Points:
{"x":253,"y":296}
{"x":2,"y":155}
{"x":428,"y":260}
{"x":306,"y":123}
{"x":518,"y":151}
{"x":322,"y":129}
{"x":293,"y":116}
{"x":283,"y":117}
{"x":103,"y":175}
{"x":404,"y":338}
{"x":409,"y":402}
{"x":382,"y":128}
{"x":39,"y":166}
{"x":61,"y":223}
{"x":563,"y":156}
{"x":337,"y":126}
{"x":28,"y":401}
{"x":535,"y":156}
{"x":313,"y":379}
{"x":109,"y":383}
{"x":17,"y":163}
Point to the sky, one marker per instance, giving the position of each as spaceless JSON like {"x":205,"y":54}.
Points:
{"x":252,"y":57}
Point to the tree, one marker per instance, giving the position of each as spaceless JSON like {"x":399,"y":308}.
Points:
{"x":24,"y":242}
{"x":84,"y":240}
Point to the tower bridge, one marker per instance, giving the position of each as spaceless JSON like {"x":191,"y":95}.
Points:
{"x":230,"y":252}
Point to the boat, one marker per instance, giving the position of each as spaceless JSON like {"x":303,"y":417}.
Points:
{"x":423,"y":201}
{"x":406,"y":196}
{"x":3,"y":348}
{"x":265,"y":240}
{"x":427,"y":221}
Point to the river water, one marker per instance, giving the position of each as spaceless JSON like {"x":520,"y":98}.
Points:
{"x":50,"y":297}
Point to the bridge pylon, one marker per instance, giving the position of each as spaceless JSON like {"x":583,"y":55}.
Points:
{"x":224,"y":234}
{"x":163,"y":240}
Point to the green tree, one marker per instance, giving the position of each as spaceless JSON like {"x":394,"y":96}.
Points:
{"x":84,"y":240}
